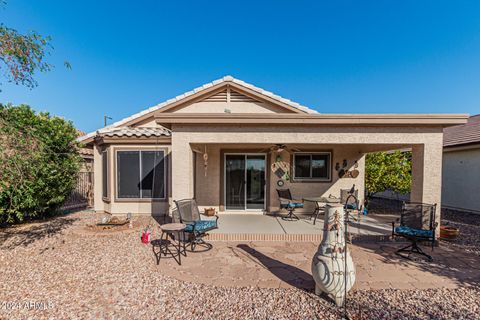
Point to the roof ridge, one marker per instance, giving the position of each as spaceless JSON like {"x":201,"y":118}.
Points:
{"x":227,"y":78}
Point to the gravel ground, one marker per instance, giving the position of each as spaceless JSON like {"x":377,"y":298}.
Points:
{"x":469,"y":225}
{"x":69,"y":273}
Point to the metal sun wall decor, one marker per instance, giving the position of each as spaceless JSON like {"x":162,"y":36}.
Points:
{"x":343,"y":171}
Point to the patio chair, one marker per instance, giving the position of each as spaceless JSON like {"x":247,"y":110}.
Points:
{"x":417,"y":223}
{"x":349,"y":198}
{"x":287,"y":202}
{"x":197,"y":228}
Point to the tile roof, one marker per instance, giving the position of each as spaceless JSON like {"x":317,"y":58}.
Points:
{"x":85,"y":151}
{"x":194,"y":91}
{"x":137,"y":132}
{"x":463,"y":134}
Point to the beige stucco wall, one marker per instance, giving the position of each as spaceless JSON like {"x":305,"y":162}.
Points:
{"x":426,"y":143}
{"x":350,"y":143}
{"x":234,"y":107}
{"x":461,"y":179}
{"x":123,"y":206}
{"x":208,"y":187}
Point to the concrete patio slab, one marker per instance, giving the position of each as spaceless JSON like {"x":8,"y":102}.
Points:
{"x":258,"y":227}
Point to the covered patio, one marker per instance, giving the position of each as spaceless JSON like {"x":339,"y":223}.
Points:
{"x":206,"y":181}
{"x":334,"y":144}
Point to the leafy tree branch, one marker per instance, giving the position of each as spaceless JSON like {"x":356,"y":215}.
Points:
{"x":22,"y":55}
{"x":388,"y":171}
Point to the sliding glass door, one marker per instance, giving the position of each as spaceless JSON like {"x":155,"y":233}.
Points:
{"x":245,"y":181}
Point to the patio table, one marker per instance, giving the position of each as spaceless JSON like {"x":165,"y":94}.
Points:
{"x":170,"y":229}
{"x":320,"y":204}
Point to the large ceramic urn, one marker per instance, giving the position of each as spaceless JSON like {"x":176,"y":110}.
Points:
{"x":332,"y":265}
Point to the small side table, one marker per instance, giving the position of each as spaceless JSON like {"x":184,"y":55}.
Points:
{"x":174,"y":231}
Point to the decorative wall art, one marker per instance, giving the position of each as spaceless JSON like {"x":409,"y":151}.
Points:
{"x":343,"y":171}
{"x":281,"y":169}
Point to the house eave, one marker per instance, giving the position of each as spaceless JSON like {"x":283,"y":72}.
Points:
{"x":442,"y":120}
{"x":461,"y":147}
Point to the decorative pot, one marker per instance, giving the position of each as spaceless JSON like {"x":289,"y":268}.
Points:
{"x":332,"y":265}
{"x":449,"y":233}
{"x":209,"y":212}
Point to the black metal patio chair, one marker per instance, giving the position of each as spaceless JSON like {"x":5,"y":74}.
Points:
{"x":416,"y":224}
{"x":349,"y":198}
{"x":197,"y":228}
{"x":288,"y":203}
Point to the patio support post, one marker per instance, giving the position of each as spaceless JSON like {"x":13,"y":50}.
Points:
{"x":427,"y":175}
{"x":98,"y":187}
{"x":182,"y":170}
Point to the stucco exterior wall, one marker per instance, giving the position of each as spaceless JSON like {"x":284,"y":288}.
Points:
{"x":234,"y":107}
{"x":208,"y":187}
{"x":426,"y":143}
{"x":186,"y":171}
{"x":122,"y":206}
{"x":461,"y":179}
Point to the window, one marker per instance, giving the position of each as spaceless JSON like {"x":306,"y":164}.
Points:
{"x":312,"y":166}
{"x":105,"y":174}
{"x":141,"y":174}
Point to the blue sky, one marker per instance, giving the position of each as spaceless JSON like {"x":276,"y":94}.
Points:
{"x":332,"y":56}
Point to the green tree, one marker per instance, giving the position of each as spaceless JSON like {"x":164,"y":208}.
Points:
{"x":39,"y":162}
{"x":23,"y":55}
{"x":388,"y":171}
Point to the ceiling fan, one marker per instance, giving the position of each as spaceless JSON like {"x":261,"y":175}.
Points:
{"x":279,"y":148}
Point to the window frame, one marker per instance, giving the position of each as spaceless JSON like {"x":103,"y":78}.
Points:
{"x":310,"y":178}
{"x":165,"y":176}
{"x":106,"y":171}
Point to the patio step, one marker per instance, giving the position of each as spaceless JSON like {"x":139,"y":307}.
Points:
{"x":291,"y":237}
{"x":264,"y":237}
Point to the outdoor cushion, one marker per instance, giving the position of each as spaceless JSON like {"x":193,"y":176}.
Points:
{"x":292,"y":205}
{"x":407,"y":231}
{"x":201,"y":226}
{"x":352,"y":206}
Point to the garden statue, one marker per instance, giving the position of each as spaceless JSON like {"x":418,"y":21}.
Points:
{"x":332,"y":265}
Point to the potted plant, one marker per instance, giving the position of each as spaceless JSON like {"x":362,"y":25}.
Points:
{"x":448,"y":232}
{"x":209,"y":212}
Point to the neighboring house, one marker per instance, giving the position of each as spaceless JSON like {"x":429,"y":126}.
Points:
{"x":86,"y":154}
{"x":461,"y":166}
{"x":230,"y":145}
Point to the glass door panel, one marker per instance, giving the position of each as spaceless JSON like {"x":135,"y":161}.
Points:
{"x":235,"y":182}
{"x":255,"y":177}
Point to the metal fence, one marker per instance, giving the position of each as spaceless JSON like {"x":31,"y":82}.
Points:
{"x":82,"y":194}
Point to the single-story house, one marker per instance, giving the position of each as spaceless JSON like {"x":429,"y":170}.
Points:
{"x":230,"y":145}
{"x":461,"y":166}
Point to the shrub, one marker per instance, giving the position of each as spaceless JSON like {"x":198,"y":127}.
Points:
{"x":39,"y":162}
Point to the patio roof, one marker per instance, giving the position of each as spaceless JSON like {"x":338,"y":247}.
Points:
{"x":167,"y":119}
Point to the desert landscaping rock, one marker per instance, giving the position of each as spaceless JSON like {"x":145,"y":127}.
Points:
{"x":70,"y":274}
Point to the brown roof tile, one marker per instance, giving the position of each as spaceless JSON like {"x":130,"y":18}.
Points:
{"x":138,"y":132}
{"x":463,"y":134}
